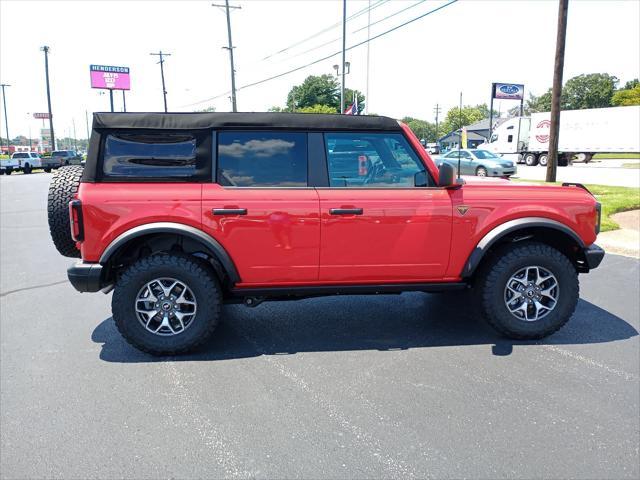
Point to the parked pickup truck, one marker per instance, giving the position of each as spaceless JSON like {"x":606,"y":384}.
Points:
{"x":20,"y":161}
{"x":178,"y":214}
{"x":65,"y":157}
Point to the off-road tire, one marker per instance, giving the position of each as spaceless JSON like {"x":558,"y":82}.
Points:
{"x":196,"y":274}
{"x":492,"y":279}
{"x":62,"y":189}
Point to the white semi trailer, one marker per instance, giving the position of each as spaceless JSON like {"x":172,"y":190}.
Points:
{"x":582,"y":134}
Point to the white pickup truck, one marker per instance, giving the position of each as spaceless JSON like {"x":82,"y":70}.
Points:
{"x":20,"y":161}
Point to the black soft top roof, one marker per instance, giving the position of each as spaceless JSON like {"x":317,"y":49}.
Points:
{"x":290,"y":121}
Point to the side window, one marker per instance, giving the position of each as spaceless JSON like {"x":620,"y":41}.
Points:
{"x":369,"y":160}
{"x":150,"y":155}
{"x":262,"y":159}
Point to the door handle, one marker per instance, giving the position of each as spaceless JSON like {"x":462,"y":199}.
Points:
{"x":229,"y":211}
{"x":345,"y":211}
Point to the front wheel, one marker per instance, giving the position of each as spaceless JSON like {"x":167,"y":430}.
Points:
{"x":167,"y":304}
{"x":528,"y":290}
{"x":27,"y":169}
{"x":481,"y":172}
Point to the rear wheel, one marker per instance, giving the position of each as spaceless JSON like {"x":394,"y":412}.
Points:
{"x":167,"y":304}
{"x":530,"y":159}
{"x":27,"y":169}
{"x":62,"y":189}
{"x":528,"y":290}
{"x":543,"y":159}
{"x":481,"y":172}
{"x":48,"y":170}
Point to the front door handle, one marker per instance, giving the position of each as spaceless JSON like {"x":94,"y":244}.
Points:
{"x":345,"y":211}
{"x":229,"y":211}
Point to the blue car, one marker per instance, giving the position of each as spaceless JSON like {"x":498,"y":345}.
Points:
{"x":478,"y":162}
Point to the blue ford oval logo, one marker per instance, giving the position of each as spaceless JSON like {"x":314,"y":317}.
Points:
{"x":509,"y":89}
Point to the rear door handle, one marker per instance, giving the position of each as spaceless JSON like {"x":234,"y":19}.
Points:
{"x":345,"y":211}
{"x":229,"y":211}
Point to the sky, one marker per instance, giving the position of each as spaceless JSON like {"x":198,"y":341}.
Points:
{"x":463,"y":47}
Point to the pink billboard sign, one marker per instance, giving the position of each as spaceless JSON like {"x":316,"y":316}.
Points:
{"x":109,"y":77}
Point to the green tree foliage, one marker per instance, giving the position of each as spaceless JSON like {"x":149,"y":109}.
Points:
{"x":594,"y":90}
{"x":208,"y":109}
{"x":319,"y":90}
{"x":626,"y":97}
{"x":317,"y":109}
{"x":422,"y":129}
{"x":631,"y":84}
{"x":457,"y":118}
{"x":315,"y":90}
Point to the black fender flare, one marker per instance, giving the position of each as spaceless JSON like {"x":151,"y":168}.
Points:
{"x":511,"y":226}
{"x":175,"y":228}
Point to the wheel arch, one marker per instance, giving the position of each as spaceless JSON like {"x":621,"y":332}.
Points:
{"x":544,"y":230}
{"x":172,"y":234}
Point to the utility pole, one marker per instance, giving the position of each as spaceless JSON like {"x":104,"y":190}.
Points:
{"x":45,"y":49}
{"x":6,"y":122}
{"x":344,"y":47}
{"x":366,"y":100}
{"x":75,"y":137}
{"x":437,"y":111}
{"x":161,"y":62}
{"x":558,"y":69}
{"x":226,"y":6}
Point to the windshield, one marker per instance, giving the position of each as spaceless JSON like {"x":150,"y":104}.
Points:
{"x":484,"y":154}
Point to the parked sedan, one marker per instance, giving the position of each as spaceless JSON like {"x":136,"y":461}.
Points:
{"x":478,"y":162}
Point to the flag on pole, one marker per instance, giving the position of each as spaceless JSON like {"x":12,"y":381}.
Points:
{"x":353,"y":109}
{"x":463,"y":138}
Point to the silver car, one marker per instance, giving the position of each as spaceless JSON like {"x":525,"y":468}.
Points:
{"x":478,"y":162}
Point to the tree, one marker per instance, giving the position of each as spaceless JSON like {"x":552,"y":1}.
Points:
{"x":457,"y":118}
{"x":315,"y":90}
{"x":631,"y":84}
{"x":422,"y":129}
{"x":208,"y":109}
{"x":626,"y":97}
{"x":320,"y":90}
{"x":317,"y":109}
{"x":594,"y":90}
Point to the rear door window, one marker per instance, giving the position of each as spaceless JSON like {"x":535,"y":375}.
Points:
{"x":150,"y":155}
{"x":262,"y":159}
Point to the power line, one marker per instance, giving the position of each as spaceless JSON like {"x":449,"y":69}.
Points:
{"x":359,"y":29}
{"x":293,"y":70}
{"x":327,"y":29}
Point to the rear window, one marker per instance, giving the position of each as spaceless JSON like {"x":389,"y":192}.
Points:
{"x":150,"y":155}
{"x":262,"y":159}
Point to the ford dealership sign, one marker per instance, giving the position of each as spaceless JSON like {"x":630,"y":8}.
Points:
{"x":509,"y":91}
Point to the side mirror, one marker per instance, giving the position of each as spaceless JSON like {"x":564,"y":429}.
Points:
{"x":420,"y":179}
{"x":447,"y":175}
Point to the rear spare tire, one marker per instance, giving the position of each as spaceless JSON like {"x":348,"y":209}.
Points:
{"x":62,"y":189}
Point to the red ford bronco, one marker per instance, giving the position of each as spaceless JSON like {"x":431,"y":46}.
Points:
{"x":179,"y":213}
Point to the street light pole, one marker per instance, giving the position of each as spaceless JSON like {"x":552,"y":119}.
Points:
{"x":344,"y":46}
{"x":45,"y":49}
{"x":6,"y":123}
{"x":161,"y":62}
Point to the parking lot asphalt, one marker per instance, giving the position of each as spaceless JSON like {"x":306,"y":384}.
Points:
{"x":403,"y":386}
{"x":599,"y":172}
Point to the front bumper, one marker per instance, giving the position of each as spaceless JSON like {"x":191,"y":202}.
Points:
{"x":85,"y":277}
{"x":593,"y":255}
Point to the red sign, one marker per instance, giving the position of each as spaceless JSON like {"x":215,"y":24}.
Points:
{"x":41,"y":115}
{"x":542,"y":136}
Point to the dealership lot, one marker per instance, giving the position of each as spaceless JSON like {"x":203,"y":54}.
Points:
{"x":604,"y":172}
{"x":410,"y":385}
